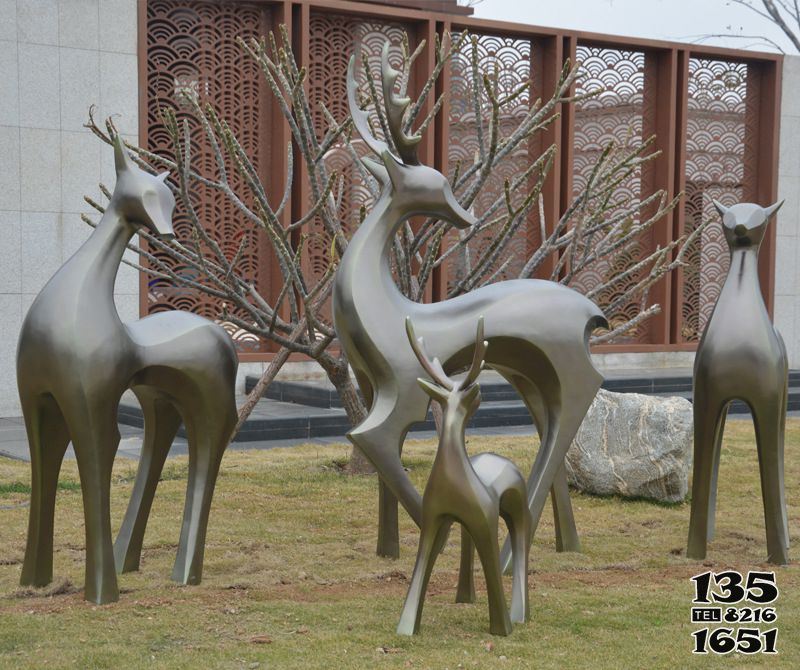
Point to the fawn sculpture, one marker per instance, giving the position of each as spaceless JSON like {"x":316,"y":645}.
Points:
{"x":473,"y":491}
{"x":75,"y":359}
{"x":538,"y":329}
{"x":741,"y":356}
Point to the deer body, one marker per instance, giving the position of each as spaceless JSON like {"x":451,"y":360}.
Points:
{"x":475,"y":492}
{"x":76,"y":358}
{"x":741,"y":356}
{"x":539,"y":331}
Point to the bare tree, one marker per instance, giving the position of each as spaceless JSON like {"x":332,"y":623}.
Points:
{"x":784,"y":14}
{"x":597,"y":226}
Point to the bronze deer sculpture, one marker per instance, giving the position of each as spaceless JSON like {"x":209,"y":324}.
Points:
{"x":741,"y":356}
{"x":75,"y":359}
{"x":538,"y":331}
{"x":474,"y":491}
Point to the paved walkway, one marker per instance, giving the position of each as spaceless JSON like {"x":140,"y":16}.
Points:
{"x":14,"y":443}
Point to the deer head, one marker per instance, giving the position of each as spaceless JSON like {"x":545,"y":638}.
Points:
{"x":140,"y":198}
{"x":459,"y":398}
{"x":419,"y":189}
{"x":745,"y":224}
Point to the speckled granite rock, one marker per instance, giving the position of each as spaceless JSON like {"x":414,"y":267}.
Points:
{"x":633,"y":445}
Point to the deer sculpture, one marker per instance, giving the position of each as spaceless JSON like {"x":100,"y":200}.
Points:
{"x":741,"y":356}
{"x":538,"y":331}
{"x":75,"y":359}
{"x":475,"y":491}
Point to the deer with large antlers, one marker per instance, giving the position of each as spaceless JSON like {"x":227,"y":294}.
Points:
{"x":538,"y":331}
{"x":475,"y":491}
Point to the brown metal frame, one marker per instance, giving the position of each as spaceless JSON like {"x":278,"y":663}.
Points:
{"x":666,"y":91}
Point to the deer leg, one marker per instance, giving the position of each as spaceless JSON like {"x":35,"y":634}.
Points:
{"x":161,"y":422}
{"x":95,"y":437}
{"x":380,"y":437}
{"x":388,"y":544}
{"x":208,"y":433}
{"x":566,"y":532}
{"x":430,"y":537}
{"x":465,"y":593}
{"x":709,"y":421}
{"x":48,"y":438}
{"x":516,"y":516}
{"x":769,"y":417}
{"x":561,"y":429}
{"x":712,"y":494}
{"x":485,"y":538}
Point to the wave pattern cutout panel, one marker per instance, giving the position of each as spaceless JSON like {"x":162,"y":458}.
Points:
{"x":616,"y":116}
{"x":508,"y":61}
{"x":192,"y":51}
{"x":715,"y":168}
{"x":333,"y":39}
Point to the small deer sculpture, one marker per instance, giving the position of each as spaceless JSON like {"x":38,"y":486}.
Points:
{"x":75,"y":359}
{"x":476,"y":492}
{"x":741,"y":356}
{"x":539,"y":332}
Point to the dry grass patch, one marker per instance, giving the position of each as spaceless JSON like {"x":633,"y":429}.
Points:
{"x":291,"y":579}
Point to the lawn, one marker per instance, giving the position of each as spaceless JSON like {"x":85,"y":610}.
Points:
{"x":291,"y":579}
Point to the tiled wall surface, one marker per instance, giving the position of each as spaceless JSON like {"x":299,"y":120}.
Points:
{"x":57,"y":57}
{"x":787,"y":249}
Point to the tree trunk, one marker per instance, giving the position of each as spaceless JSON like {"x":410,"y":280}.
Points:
{"x":258,"y":390}
{"x":266,"y":378}
{"x":339,"y":375}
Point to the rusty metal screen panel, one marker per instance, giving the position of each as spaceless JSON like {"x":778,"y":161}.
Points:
{"x":715,"y":168}
{"x":192,"y":51}
{"x":507,"y":61}
{"x":615,"y":115}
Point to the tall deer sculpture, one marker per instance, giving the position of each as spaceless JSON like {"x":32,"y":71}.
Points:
{"x":476,"y":492}
{"x":741,"y":356}
{"x":75,"y":359}
{"x":538,"y":331}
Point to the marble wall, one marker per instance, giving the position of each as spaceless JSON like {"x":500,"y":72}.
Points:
{"x":57,"y":57}
{"x":787,"y":252}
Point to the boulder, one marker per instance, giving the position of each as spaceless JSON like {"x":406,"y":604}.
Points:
{"x":633,"y":445}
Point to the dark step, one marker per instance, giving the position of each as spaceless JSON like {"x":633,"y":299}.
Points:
{"x":322,"y":394}
{"x":308,"y":416}
{"x":275,"y":420}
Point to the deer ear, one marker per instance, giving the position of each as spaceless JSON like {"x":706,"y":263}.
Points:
{"x":121,"y":160}
{"x":163,"y":176}
{"x":720,"y":208}
{"x":393,"y":167}
{"x":769,"y":211}
{"x":434,"y":391}
{"x":376,"y":169}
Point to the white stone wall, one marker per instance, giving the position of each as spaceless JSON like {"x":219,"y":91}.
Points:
{"x":57,"y":57}
{"x":787,"y":252}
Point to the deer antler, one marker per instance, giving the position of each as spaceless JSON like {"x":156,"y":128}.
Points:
{"x":432,"y":367}
{"x":395,"y":107}
{"x":477,"y":357}
{"x":360,"y":116}
{"x":395,"y":110}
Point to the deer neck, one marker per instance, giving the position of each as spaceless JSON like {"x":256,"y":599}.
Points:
{"x":92,"y":270}
{"x":452,"y":457}
{"x":365,"y":275}
{"x":742,"y":282}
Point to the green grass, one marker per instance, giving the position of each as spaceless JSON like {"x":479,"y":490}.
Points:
{"x":291,"y":579}
{"x":19,"y":487}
